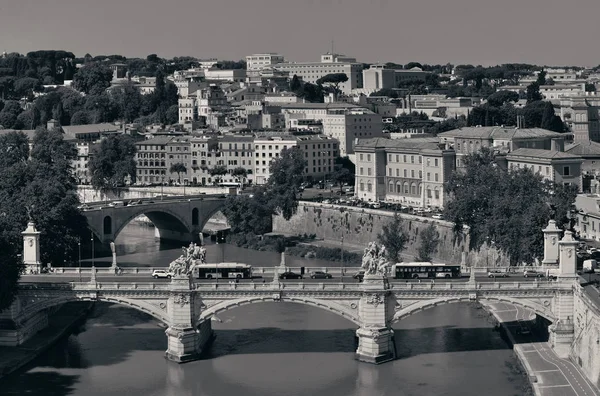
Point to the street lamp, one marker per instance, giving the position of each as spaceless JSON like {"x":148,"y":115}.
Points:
{"x":79,"y":249}
{"x":342,"y":255}
{"x":162,"y":183}
{"x":92,"y":233}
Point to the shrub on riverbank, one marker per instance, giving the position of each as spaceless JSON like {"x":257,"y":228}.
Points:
{"x":293,"y":248}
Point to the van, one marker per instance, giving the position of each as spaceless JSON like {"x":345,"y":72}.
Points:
{"x":589,"y":266}
{"x":117,"y":203}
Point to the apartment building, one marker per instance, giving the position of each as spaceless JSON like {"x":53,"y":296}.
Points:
{"x":262,"y":61}
{"x":330,"y":64}
{"x":588,"y":216}
{"x":178,"y":152}
{"x":234,"y":75}
{"x":409,"y":171}
{"x":471,"y":139}
{"x":320,"y":152}
{"x":554,"y":165}
{"x":582,"y":115}
{"x":378,"y":77}
{"x":236,"y":152}
{"x":151,"y":160}
{"x":188,"y":111}
{"x":85,"y":137}
{"x":342,"y":121}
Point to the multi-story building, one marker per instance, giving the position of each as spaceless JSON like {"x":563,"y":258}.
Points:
{"x":233,"y":75}
{"x":203,"y":157}
{"x":151,"y":160}
{"x":85,"y":137}
{"x":188,"y":112}
{"x":178,"y":152}
{"x":554,"y":165}
{"x":471,"y":139}
{"x":262,"y":61}
{"x":588,"y":216}
{"x":320,"y":152}
{"x":342,"y":121}
{"x":330,"y":64}
{"x":210,"y":99}
{"x":410,"y":171}
{"x":378,"y":77}
{"x":582,"y":115}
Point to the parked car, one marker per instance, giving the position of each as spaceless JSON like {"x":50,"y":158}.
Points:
{"x":437,"y":217}
{"x":161,"y":274}
{"x":290,"y":275}
{"x":497,"y":274}
{"x":533,"y":274}
{"x":320,"y":275}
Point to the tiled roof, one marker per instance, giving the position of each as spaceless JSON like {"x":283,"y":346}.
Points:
{"x":498,"y":132}
{"x":542,"y":154}
{"x":157,"y":140}
{"x":584,"y":148}
{"x":416,"y":143}
{"x":318,"y":105}
{"x":74,"y":130}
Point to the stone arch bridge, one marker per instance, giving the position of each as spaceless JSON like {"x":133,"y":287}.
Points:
{"x":186,"y":308}
{"x":180,"y":218}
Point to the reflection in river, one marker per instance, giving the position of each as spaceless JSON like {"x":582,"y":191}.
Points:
{"x":277,"y":349}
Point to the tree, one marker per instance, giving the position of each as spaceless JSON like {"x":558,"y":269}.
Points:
{"x":284,"y":183}
{"x":533,"y":92}
{"x":541,"y":79}
{"x":490,"y":201}
{"x":249,"y":215}
{"x":341,"y":176}
{"x":93,"y":79}
{"x":394,"y":239}
{"x":295,"y":84}
{"x":172,"y":115}
{"x":499,"y":98}
{"x":218,"y":172}
{"x":241,"y":173}
{"x":430,"y":239}
{"x":335,"y":79}
{"x":178,"y":168}
{"x":113,"y":162}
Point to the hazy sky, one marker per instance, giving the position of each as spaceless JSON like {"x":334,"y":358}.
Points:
{"x":552,"y":32}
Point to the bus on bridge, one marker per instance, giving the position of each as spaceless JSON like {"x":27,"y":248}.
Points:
{"x":223,"y":270}
{"x":425,"y":270}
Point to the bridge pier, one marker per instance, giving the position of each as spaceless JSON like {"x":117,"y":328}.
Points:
{"x":376,"y":310}
{"x":186,"y":339}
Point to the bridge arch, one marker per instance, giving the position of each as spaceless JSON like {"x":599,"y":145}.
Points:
{"x":107,"y":225}
{"x":31,"y":308}
{"x":423,"y":305}
{"x":158,"y":216}
{"x":330,"y":306}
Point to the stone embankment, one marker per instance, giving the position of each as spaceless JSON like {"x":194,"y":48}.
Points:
{"x":59,"y":324}
{"x":359,"y":226}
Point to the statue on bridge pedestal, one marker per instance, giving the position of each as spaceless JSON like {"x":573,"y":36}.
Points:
{"x":184,"y":264}
{"x":374,"y":261}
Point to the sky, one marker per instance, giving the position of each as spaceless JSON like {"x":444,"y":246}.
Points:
{"x":544,"y":32}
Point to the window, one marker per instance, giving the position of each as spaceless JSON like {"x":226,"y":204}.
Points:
{"x":404,"y":158}
{"x":435,"y":176}
{"x":391,"y":187}
{"x":361,"y":171}
{"x":428,"y":176}
{"x":368,"y":171}
{"x":389,"y":171}
{"x":435,"y":162}
{"x":566,"y":171}
{"x":369,"y":187}
{"x":412,"y":159}
{"x":405,"y":172}
{"x":428,"y":193}
{"x":437,"y":193}
{"x":369,"y":157}
{"x":361,"y":157}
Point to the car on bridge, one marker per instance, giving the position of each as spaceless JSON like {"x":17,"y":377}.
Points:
{"x":497,"y":274}
{"x":161,"y":274}
{"x":290,"y":275}
{"x":533,"y":274}
{"x":320,"y":275}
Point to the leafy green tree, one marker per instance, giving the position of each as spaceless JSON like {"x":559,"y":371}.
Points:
{"x":533,"y":92}
{"x":393,"y":237}
{"x":295,"y":84}
{"x":283,"y":185}
{"x":430,"y":239}
{"x":217,"y":173}
{"x":93,"y":78}
{"x":178,"y":168}
{"x":499,"y":98}
{"x":113,"y":162}
{"x":172,"y":115}
{"x":541,"y":79}
{"x":81,"y":117}
{"x":341,"y":176}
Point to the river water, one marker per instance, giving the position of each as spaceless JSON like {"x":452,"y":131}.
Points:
{"x":275,"y":349}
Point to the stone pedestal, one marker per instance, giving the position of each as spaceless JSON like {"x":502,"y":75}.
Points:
{"x":568,"y":256}
{"x":375,"y":345}
{"x":376,"y":309}
{"x":551,"y":239}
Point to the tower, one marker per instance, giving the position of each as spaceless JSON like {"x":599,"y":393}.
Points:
{"x":31,"y":248}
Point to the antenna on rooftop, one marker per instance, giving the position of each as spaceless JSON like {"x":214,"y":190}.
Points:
{"x":332,"y":47}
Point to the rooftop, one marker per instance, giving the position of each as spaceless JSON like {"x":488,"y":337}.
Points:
{"x":414,"y":144}
{"x":74,"y":130}
{"x":542,"y":154}
{"x":156,"y":141}
{"x":583,"y":148}
{"x":500,"y":133}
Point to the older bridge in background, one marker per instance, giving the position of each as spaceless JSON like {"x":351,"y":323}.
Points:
{"x":174,"y":218}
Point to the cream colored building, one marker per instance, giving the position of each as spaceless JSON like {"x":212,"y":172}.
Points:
{"x":319,"y":151}
{"x":582,"y":115}
{"x":378,"y":77}
{"x":408,"y":171}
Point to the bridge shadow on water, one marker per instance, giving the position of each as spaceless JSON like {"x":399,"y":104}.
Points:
{"x":47,"y":383}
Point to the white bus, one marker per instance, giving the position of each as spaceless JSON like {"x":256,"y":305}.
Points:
{"x":223,"y":270}
{"x":230,"y":184}
{"x":425,"y":270}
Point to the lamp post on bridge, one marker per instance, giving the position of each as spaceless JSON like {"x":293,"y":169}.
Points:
{"x":79,"y":250}
{"x":342,"y":255}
